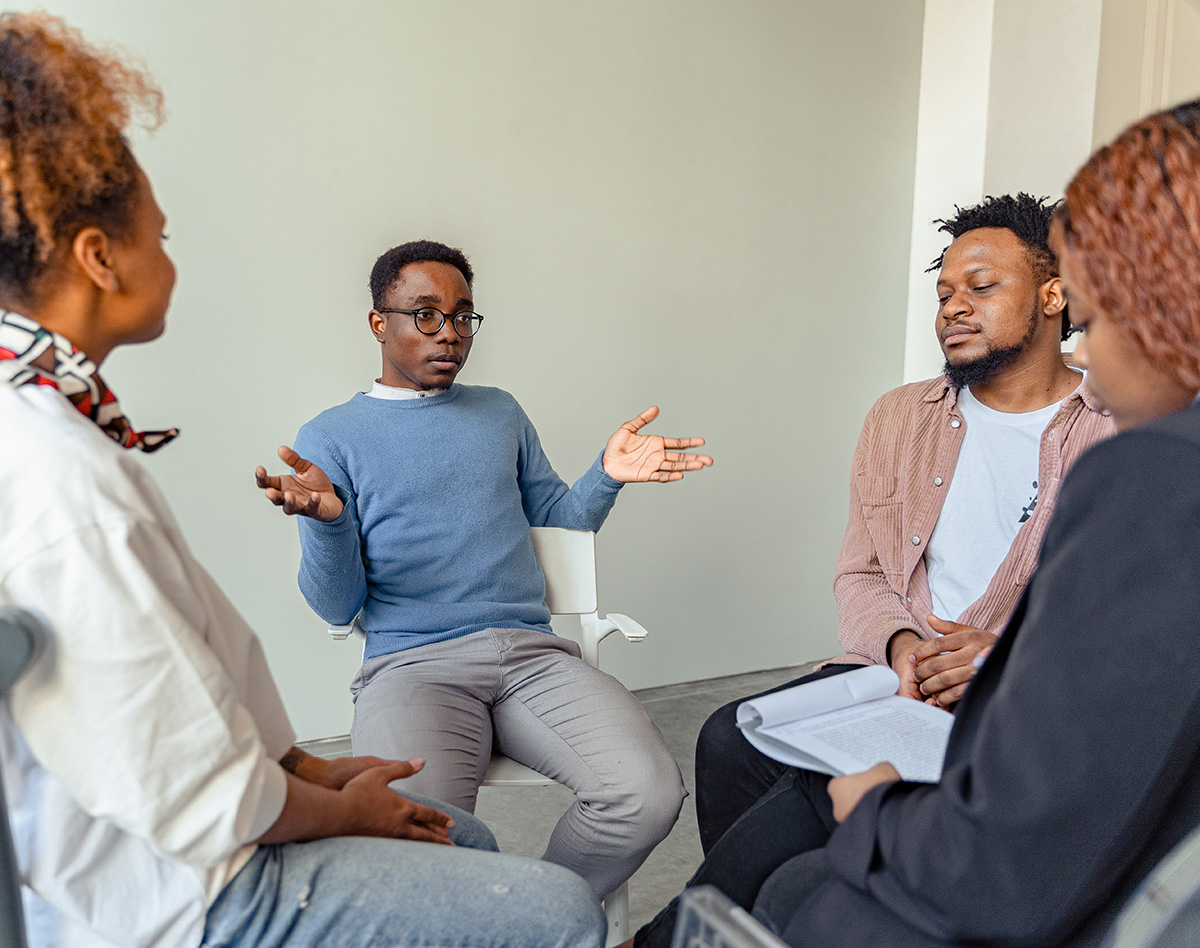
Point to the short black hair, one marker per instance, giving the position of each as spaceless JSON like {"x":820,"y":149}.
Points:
{"x":387,"y":267}
{"x":1026,"y":216}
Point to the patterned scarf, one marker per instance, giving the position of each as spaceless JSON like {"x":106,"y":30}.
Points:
{"x":31,"y":355}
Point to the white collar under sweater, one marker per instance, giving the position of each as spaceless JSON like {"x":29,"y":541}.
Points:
{"x":379,"y":390}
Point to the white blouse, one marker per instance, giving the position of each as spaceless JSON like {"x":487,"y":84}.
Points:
{"x":146,"y":739}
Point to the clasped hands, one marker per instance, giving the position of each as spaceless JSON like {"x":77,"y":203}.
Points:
{"x":938,"y":671}
{"x":629,"y":457}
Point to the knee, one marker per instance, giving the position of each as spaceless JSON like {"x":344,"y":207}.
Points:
{"x":719,"y":737}
{"x":470,"y":831}
{"x":650,"y":797}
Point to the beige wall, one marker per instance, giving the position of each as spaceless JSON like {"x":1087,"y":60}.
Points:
{"x":1149,"y":60}
{"x":696,"y":203}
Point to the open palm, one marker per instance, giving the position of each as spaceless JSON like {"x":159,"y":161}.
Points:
{"x":632,"y":457}
{"x":307,"y":493}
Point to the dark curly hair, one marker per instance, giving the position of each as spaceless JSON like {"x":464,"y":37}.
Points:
{"x":1026,"y":216}
{"x":64,"y":160}
{"x":387,"y":267}
{"x":1131,"y":226}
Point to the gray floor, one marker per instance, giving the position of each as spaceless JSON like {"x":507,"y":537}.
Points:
{"x":522,"y":817}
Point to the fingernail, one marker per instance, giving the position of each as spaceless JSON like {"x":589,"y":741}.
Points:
{"x":978,"y":661}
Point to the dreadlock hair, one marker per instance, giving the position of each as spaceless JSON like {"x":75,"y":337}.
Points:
{"x":64,"y":160}
{"x":1131,"y":226}
{"x":387,"y":267}
{"x":1026,"y":216}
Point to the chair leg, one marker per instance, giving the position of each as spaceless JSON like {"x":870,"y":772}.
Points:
{"x":616,"y":908}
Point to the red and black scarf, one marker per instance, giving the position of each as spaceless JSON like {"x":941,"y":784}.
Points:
{"x":32,"y":355}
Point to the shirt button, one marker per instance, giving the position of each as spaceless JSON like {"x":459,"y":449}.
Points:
{"x":954,"y":422}
{"x":910,"y":598}
{"x":937,"y":482}
{"x":916,"y":541}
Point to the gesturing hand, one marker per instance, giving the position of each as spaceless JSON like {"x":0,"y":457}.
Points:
{"x":630,"y":457}
{"x":944,"y":666}
{"x":845,"y":792}
{"x":374,"y":809}
{"x":308,"y":492}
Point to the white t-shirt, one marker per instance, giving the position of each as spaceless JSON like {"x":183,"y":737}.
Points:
{"x":993,"y":492}
{"x":140,"y":750}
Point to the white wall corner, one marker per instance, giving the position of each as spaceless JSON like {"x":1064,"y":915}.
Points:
{"x":952,"y":123}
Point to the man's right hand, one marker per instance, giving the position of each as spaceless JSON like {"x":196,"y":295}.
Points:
{"x":900,"y":650}
{"x":308,"y":492}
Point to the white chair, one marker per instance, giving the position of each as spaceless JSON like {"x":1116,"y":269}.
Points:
{"x":1165,"y":910}
{"x":568,"y":559}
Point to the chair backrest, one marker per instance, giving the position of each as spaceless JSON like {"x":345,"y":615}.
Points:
{"x":568,"y":559}
{"x":21,"y":637}
{"x":1165,"y":910}
{"x":709,"y":919}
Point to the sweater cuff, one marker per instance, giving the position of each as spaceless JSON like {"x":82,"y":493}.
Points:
{"x":334,"y":528}
{"x":605,"y":480}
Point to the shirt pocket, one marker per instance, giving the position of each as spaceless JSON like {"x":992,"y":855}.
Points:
{"x":882,"y":510}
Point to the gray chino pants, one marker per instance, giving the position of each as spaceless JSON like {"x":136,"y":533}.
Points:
{"x":532,"y":696}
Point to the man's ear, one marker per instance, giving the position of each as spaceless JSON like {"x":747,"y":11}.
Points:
{"x":1052,"y":297}
{"x":92,"y":251}
{"x":376,"y":321}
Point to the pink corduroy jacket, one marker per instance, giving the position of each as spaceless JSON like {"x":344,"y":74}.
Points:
{"x":902,"y":468}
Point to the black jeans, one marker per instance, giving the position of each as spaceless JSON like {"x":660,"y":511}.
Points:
{"x":731,"y":775}
{"x":757,"y":814}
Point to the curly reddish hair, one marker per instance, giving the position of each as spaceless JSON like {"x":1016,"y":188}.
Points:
{"x":64,"y":160}
{"x":1131,"y":226}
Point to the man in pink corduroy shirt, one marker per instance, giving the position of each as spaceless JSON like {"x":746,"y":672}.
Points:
{"x":951,"y":486}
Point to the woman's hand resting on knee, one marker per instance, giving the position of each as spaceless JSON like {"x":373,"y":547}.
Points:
{"x":351,"y":797}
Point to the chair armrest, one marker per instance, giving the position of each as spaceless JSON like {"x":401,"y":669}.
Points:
{"x":600,"y":629}
{"x":342,"y":632}
{"x":633,"y":631}
{"x":596,"y":630}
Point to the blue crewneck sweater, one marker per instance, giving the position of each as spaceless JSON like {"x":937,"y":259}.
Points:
{"x":440,"y":493}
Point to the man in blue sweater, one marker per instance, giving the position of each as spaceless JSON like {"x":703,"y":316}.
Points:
{"x":416,"y":500}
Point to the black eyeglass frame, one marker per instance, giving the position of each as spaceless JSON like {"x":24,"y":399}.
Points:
{"x":475,"y":318}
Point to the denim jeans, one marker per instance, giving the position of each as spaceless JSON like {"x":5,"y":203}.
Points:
{"x":356,"y":891}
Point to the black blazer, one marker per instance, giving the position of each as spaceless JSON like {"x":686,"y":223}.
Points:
{"x":1074,"y":762}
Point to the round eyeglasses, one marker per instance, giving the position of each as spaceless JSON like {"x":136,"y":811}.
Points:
{"x":429,"y":320}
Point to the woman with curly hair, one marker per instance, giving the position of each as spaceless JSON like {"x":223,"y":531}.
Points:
{"x":155,"y":793}
{"x":1074,"y":764}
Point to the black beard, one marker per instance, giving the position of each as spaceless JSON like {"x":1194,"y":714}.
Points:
{"x":984,"y":368}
